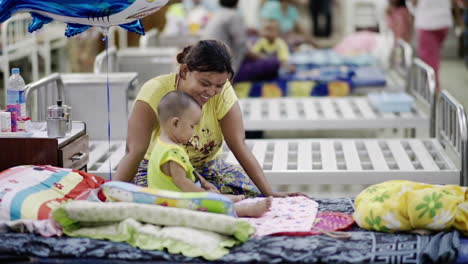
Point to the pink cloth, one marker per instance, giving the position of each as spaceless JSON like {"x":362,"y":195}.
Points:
{"x":429,"y":47}
{"x":290,"y":214}
{"x":400,"y":21}
{"x":361,"y":42}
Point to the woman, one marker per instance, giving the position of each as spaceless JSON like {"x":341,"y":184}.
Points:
{"x":203,"y":74}
{"x":400,"y":20}
{"x":433,"y":18}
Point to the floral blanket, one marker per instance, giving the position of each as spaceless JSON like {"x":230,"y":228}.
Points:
{"x":404,"y":206}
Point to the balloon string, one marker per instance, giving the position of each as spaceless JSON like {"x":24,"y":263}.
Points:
{"x":108,"y":107}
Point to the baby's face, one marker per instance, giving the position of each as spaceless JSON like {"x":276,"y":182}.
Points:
{"x":270,"y":30}
{"x":187,"y":122}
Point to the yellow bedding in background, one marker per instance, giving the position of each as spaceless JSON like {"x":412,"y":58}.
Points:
{"x":405,"y":205}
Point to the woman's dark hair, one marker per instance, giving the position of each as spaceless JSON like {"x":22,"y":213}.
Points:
{"x":400,"y":3}
{"x":228,"y":3}
{"x":207,"y":56}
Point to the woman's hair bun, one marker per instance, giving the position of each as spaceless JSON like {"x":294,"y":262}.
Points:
{"x":183,"y":54}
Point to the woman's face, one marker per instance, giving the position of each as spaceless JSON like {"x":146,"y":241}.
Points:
{"x":202,"y":86}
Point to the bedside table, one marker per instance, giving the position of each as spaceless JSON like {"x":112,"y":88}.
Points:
{"x":72,"y":151}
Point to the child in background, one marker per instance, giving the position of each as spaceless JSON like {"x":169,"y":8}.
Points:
{"x":169,"y":165}
{"x":399,"y":20}
{"x":271,"y":44}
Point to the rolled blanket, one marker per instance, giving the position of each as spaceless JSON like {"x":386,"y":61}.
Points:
{"x":191,"y":233}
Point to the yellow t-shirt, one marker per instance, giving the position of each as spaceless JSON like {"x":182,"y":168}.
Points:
{"x":278,"y":47}
{"x":157,"y":179}
{"x":208,"y":138}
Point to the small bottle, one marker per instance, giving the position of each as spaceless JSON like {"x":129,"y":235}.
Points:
{"x":5,"y":121}
{"x":15,"y":92}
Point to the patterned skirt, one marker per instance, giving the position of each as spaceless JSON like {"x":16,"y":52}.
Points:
{"x":228,"y":178}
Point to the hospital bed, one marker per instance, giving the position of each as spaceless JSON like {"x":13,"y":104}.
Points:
{"x":303,"y":164}
{"x":362,"y":247}
{"x":86,"y":93}
{"x":441,"y":160}
{"x":17,"y":43}
{"x":343,"y":113}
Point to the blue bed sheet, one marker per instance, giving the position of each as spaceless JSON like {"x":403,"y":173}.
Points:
{"x":463,"y":251}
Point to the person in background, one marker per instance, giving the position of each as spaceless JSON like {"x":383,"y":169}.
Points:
{"x":169,"y":166}
{"x":321,"y":14}
{"x":227,"y":25}
{"x":272,"y":45}
{"x":285,"y":12}
{"x":433,"y":18}
{"x":463,"y":29}
{"x":400,"y":20}
{"x":204,"y":74}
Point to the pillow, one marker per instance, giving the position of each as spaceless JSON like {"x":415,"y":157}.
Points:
{"x":31,"y":192}
{"x":200,"y":201}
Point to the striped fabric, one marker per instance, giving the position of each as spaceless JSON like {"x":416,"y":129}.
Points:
{"x":32,"y":192}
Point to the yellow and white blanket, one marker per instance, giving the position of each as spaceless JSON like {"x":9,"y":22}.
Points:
{"x":404,"y":206}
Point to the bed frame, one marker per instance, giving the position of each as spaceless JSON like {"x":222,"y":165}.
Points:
{"x":343,"y":113}
{"x":441,"y":160}
{"x":86,"y":93}
{"x":18,"y":43}
{"x":148,"y":62}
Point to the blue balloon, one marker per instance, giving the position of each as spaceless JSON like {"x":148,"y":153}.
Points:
{"x":83,"y":14}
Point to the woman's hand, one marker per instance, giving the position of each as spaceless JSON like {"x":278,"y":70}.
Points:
{"x":287,"y":194}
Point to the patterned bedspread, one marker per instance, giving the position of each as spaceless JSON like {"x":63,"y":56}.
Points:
{"x":363,"y":247}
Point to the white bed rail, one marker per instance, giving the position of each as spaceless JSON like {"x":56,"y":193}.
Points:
{"x":18,"y":43}
{"x":453,"y":132}
{"x":421,"y":84}
{"x":149,"y":39}
{"x":401,"y":57}
{"x":43,"y":93}
{"x":100,"y":62}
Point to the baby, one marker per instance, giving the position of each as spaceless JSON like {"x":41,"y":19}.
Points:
{"x":169,"y":165}
{"x":271,"y":44}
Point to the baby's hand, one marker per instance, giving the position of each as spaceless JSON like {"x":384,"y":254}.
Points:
{"x":210,"y":188}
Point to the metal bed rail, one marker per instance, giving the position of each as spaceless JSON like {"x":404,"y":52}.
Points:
{"x":453,"y":131}
{"x":149,"y":39}
{"x":421,"y":84}
{"x":40,"y":94}
{"x":401,"y":57}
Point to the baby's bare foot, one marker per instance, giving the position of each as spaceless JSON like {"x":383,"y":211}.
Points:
{"x":235,"y":198}
{"x":254,"y":209}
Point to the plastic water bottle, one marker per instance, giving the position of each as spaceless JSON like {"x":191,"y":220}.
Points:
{"x":15,"y":91}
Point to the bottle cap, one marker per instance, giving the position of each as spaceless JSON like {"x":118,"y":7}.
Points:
{"x":15,"y":70}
